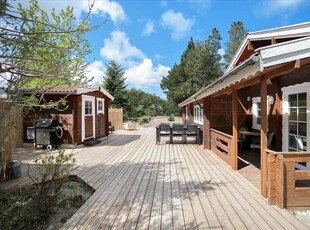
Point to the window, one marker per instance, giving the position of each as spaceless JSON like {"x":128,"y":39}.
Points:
{"x":100,"y":105}
{"x":198,"y":114}
{"x":256,"y":111}
{"x":88,"y":108}
{"x":296,"y":120}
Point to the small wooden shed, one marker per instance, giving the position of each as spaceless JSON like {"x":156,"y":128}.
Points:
{"x":84,"y":115}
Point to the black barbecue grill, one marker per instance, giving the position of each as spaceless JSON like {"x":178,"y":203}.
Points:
{"x":45,"y":133}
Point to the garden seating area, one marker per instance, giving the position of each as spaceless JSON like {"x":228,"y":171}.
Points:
{"x":178,"y":130}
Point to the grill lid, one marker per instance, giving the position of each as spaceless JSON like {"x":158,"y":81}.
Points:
{"x":44,"y":123}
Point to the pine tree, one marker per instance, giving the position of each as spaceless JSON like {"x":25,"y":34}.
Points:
{"x":114,"y":83}
{"x":236,"y":35}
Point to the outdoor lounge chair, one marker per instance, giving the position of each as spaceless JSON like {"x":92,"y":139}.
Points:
{"x":241,"y":138}
{"x":192,"y":131}
{"x":163,"y":130}
{"x":178,"y":130}
{"x":256,"y":143}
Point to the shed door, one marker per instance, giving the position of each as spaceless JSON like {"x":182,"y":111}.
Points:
{"x":88,"y":120}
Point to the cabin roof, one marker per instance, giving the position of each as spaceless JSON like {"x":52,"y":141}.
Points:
{"x":262,"y":58}
{"x":258,"y":39}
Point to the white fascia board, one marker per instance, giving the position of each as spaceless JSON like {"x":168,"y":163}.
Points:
{"x":107,"y":94}
{"x":237,"y":54}
{"x":285,"y":52}
{"x":244,"y":74}
{"x":88,"y":90}
{"x":297,"y":30}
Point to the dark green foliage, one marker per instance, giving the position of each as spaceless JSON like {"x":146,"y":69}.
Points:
{"x":32,"y":207}
{"x":144,"y":104}
{"x":53,"y":171}
{"x":199,"y":66}
{"x":236,"y":33}
{"x":114,"y":83}
{"x":18,"y":209}
{"x":171,"y":118}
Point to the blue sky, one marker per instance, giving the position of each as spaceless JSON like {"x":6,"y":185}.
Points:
{"x":148,"y":36}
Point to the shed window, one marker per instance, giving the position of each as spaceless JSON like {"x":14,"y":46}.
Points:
{"x":100,"y":105}
{"x":88,"y":108}
{"x":198,"y":114}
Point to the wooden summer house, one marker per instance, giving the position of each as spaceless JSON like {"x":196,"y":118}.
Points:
{"x":266,"y":88}
{"x":84,"y":116}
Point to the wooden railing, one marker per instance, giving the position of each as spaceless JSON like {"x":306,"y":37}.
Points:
{"x":221,"y":145}
{"x":288,"y":186}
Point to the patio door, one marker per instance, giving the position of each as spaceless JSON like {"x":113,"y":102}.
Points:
{"x":88,"y":120}
{"x":296,"y":118}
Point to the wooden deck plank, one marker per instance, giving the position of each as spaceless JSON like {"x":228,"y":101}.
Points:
{"x":276,"y":217}
{"x":156,"y":213}
{"x":101,"y":196}
{"x":141,"y":185}
{"x":146,"y":209}
{"x":204,"y":196}
{"x":129,"y":190}
{"x":134,"y":209}
{"x":198,"y":210}
{"x":188,"y":212}
{"x":177,"y":213}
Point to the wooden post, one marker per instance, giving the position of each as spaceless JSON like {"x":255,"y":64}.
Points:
{"x":278,"y":105}
{"x":234,"y":154}
{"x":263,"y":138}
{"x":206,"y":123}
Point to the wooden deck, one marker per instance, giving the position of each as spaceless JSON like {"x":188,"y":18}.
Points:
{"x":141,"y":185}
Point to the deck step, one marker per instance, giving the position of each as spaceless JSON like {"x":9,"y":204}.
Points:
{"x":91,"y":142}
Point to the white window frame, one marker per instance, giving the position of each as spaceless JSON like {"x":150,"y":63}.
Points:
{"x":92,"y":100}
{"x":255,"y":125}
{"x":198,"y":114}
{"x":98,"y":102}
{"x":256,"y":100}
{"x":286,"y":91}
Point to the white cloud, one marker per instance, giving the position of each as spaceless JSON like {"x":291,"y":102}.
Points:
{"x":101,"y":7}
{"x":145,"y":74}
{"x":95,"y":70}
{"x":119,"y":49}
{"x":276,"y":7}
{"x":148,"y":29}
{"x":177,"y":24}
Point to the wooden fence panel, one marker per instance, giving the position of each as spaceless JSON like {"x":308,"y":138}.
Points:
{"x":291,"y":187}
{"x":116,"y":117}
{"x":11,"y":124}
{"x":221,"y":144}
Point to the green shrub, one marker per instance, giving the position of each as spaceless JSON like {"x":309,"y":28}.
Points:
{"x":53,"y":171}
{"x":171,"y":117}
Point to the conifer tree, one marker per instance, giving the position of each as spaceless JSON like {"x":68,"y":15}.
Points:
{"x":236,"y":35}
{"x":114,"y":83}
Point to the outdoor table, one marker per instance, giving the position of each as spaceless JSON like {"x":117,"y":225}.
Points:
{"x":248,"y":133}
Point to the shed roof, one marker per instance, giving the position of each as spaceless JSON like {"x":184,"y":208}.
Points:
{"x":65,"y":90}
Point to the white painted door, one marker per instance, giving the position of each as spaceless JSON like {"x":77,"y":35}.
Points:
{"x":88,"y":117}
